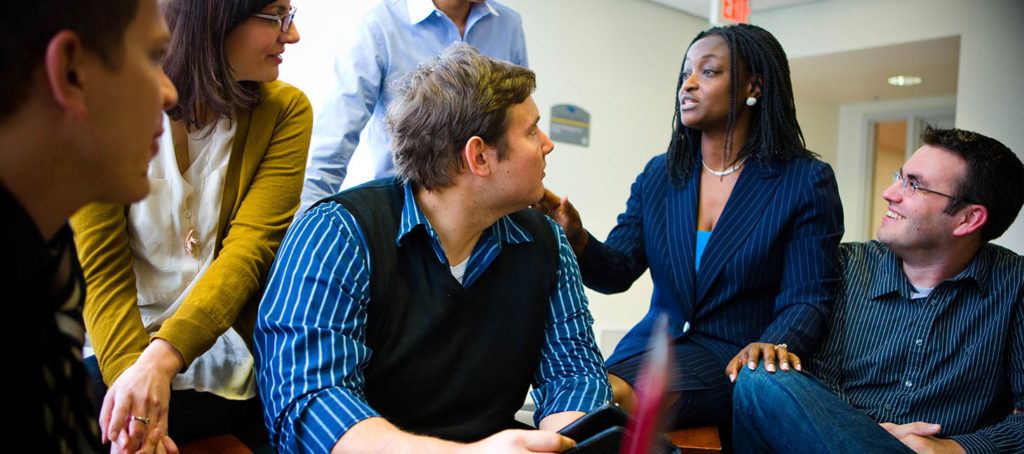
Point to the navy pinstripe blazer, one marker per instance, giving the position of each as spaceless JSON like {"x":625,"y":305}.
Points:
{"x":768,"y":273}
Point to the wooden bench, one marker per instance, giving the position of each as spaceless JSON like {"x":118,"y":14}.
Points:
{"x":697,"y":440}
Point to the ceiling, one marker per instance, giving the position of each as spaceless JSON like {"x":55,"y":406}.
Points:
{"x":859,"y":76}
{"x":702,"y":8}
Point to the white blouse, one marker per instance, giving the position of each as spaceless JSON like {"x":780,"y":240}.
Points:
{"x":165,"y":272}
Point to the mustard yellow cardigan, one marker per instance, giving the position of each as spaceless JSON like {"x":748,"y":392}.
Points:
{"x":261,"y":193}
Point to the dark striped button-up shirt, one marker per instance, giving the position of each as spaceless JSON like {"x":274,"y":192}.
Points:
{"x":954,"y":358}
{"x":310,"y":335}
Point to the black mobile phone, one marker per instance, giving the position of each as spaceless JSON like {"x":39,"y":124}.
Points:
{"x":598,"y":420}
{"x":608,"y":441}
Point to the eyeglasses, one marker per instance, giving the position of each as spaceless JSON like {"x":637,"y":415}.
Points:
{"x":910,"y":187}
{"x":285,"y":21}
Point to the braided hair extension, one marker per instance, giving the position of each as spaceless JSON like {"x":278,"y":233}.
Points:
{"x":775,"y":134}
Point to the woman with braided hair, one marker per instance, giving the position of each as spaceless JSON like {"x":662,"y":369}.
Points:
{"x":738,"y":223}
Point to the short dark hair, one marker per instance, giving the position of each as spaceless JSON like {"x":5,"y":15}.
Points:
{"x":442,"y":104}
{"x":197,"y":62}
{"x":27,"y":30}
{"x":994,"y":176}
{"x":775,"y":134}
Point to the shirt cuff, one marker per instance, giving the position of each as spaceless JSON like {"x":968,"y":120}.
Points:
{"x":319,"y":421}
{"x":975,"y":443}
{"x":570,"y":394}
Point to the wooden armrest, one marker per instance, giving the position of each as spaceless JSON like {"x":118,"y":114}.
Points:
{"x":697,"y":440}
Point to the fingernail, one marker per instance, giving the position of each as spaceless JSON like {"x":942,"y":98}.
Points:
{"x":785,"y":366}
{"x":732,"y":378}
{"x":769,"y":367}
{"x":752,"y":365}
{"x":799,"y":368}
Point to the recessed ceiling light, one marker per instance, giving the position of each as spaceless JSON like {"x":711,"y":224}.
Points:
{"x":903,"y":81}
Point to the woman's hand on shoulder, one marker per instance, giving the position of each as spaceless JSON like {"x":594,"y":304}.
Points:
{"x":134,"y":412}
{"x":751,"y":355}
{"x":562,"y":212}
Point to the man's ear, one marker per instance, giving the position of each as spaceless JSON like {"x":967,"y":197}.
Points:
{"x":63,"y":68}
{"x":478,"y":156}
{"x":971,"y":219}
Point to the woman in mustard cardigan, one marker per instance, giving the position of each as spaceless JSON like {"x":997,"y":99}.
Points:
{"x":173,"y":281}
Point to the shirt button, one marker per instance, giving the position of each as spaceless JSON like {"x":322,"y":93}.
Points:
{"x":918,"y":342}
{"x":686,"y":327}
{"x":908,"y":384}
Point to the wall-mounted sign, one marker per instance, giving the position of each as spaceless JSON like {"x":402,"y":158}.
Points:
{"x":729,"y":12}
{"x":570,"y":124}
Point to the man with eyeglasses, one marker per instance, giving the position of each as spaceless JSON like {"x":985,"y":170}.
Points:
{"x":926,"y":345}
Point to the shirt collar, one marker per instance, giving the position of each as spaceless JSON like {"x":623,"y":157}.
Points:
{"x":889,"y":277}
{"x":504,"y":230}
{"x":420,"y":10}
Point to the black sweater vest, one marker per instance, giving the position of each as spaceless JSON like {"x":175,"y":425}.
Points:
{"x":448,"y":361}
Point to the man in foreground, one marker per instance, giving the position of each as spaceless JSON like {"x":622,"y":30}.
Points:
{"x":412,"y":314}
{"x":926,"y":342}
{"x":81,"y":91}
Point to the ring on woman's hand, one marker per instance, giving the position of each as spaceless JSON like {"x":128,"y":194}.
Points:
{"x":141,"y":419}
{"x":781,"y":346}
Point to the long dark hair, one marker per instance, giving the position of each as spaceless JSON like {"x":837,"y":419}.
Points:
{"x":774,"y":132}
{"x":197,"y":63}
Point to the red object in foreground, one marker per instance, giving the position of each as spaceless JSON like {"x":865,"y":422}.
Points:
{"x":650,"y":388}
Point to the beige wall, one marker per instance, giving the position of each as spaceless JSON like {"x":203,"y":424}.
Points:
{"x":619,"y":60}
{"x":819,"y":121}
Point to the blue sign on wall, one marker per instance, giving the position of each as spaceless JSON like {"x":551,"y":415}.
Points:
{"x":570,"y":124}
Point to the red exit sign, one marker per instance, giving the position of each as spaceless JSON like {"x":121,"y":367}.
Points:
{"x":736,"y":10}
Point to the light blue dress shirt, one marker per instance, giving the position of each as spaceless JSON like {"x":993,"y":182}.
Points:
{"x":310,"y":334}
{"x":392,"y":38}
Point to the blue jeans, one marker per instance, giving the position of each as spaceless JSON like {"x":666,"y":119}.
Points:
{"x":794,"y":412}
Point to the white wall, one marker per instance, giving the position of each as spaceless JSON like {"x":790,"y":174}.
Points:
{"x":618,"y":59}
{"x":988,"y":100}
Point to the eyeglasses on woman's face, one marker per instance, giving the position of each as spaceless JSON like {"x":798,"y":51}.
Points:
{"x":284,"y":21}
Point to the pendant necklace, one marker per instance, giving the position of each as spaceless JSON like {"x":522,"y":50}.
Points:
{"x":191,"y":237}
